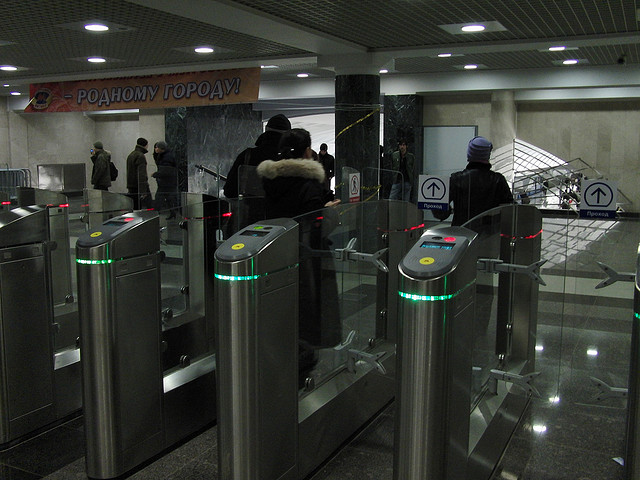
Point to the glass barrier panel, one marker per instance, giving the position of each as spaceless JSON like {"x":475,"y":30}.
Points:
{"x":344,"y":281}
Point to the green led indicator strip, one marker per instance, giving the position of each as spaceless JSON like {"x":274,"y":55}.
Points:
{"x":432,"y":298}
{"x":637,"y":315}
{"x":93,"y":262}
{"x":237,"y":278}
{"x":242,"y":278}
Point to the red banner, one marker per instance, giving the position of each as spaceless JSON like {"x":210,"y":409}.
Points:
{"x":154,"y":91}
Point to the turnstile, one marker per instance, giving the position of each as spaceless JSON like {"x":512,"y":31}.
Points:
{"x":632,"y":456}
{"x":134,"y":408}
{"x":101,"y":205}
{"x":437,"y":288}
{"x":29,"y":397}
{"x":257,"y":334}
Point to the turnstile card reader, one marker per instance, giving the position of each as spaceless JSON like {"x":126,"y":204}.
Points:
{"x":437,"y":290}
{"x":256,"y":291}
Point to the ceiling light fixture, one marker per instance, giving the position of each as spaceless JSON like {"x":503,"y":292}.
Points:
{"x":570,"y":62}
{"x":203,"y":50}
{"x":8,"y":68}
{"x":96,"y":60}
{"x":6,"y":85}
{"x":268,"y":66}
{"x":444,"y":55}
{"x":303,"y":75}
{"x":558,"y":48}
{"x":473,"y":28}
{"x":96,"y":27}
{"x":384,"y":70}
{"x":15,"y":93}
{"x":470,"y":67}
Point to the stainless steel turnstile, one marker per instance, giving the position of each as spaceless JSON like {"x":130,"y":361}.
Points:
{"x":101,"y":205}
{"x":257,"y":369}
{"x":632,"y":454}
{"x":138,"y":401}
{"x":28,"y":395}
{"x":437,"y":288}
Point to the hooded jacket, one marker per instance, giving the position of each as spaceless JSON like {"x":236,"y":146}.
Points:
{"x":266,"y":148}
{"x":292,"y":187}
{"x":101,"y":172}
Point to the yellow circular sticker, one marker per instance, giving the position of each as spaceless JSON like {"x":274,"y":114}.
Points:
{"x":427,"y":260}
{"x":96,"y":234}
{"x":237,"y":246}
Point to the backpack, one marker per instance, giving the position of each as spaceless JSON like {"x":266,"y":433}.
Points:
{"x":113,"y":171}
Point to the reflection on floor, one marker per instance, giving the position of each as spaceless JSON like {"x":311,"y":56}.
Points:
{"x":565,"y":434}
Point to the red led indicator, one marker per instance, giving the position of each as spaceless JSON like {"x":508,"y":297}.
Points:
{"x":63,"y":205}
{"x":449,"y":239}
{"x":128,"y":219}
{"x":6,"y":203}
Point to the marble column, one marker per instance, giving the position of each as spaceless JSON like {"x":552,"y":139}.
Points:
{"x":503,"y":118}
{"x":403,"y":119}
{"x":357,"y":129}
{"x":210,"y":136}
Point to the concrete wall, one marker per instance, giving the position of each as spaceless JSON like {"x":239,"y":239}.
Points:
{"x":604,"y":134}
{"x":27,"y":140}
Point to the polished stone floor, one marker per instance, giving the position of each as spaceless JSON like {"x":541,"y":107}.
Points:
{"x":566,"y":433}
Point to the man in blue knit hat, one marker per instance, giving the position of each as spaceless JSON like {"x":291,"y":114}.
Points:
{"x":477,"y":188}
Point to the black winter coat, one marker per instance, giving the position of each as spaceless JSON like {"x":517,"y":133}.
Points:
{"x":266,"y":148}
{"x":476,"y":189}
{"x":293,"y":188}
{"x":167,"y":174}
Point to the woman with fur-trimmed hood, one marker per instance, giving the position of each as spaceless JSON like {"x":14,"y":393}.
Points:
{"x":294,"y":186}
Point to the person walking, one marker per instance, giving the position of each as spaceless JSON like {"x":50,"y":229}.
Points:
{"x":137,"y":179}
{"x":101,"y":170}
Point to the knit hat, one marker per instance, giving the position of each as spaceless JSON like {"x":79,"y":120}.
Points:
{"x":161,"y":145}
{"x":98,"y":145}
{"x":142,"y":142}
{"x":279,"y":123}
{"x":479,"y":150}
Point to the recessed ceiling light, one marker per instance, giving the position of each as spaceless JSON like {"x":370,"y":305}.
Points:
{"x":96,"y":27}
{"x":203,"y":50}
{"x":539,"y":428}
{"x":6,"y":85}
{"x":96,"y":60}
{"x":8,"y":68}
{"x":473,"y":28}
{"x":559,"y":48}
{"x":384,"y":70}
{"x":470,"y":67}
{"x":592,"y":352}
{"x":268,"y":66}
{"x":15,"y":93}
{"x":570,"y":62}
{"x":303,"y":75}
{"x":444,"y":55}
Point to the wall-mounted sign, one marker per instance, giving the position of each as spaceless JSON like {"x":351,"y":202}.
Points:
{"x":354,"y":187}
{"x":433,"y":192}
{"x":599,"y":198}
{"x":153,"y":91}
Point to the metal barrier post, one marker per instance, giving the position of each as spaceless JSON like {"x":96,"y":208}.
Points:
{"x":256,"y":290}
{"x":437,"y":288}
{"x":632,"y":466}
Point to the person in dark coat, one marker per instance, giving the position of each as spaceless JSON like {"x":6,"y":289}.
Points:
{"x":477,"y":188}
{"x":329,"y":164}
{"x":294,"y":186}
{"x":101,"y":171}
{"x":167,"y":178}
{"x":241,"y":179}
{"x":137,"y":179}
